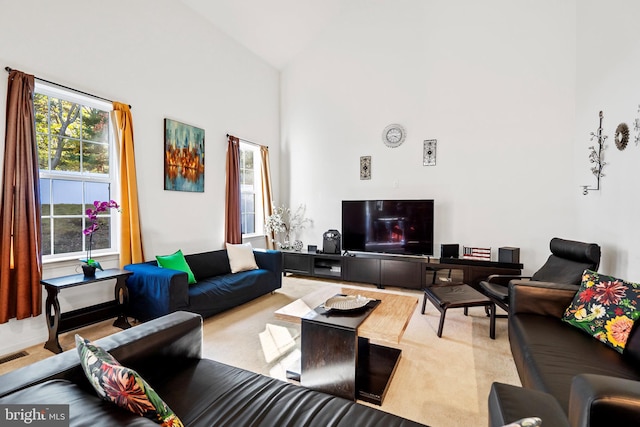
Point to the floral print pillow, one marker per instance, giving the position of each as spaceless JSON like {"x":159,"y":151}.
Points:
{"x":121,"y":385}
{"x":526,"y":422}
{"x":605,"y":308}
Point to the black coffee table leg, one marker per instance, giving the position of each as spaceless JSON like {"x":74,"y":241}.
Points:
{"x":492,"y":322}
{"x":443,"y":312}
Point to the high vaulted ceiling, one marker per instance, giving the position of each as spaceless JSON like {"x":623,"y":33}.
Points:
{"x":275,"y":30}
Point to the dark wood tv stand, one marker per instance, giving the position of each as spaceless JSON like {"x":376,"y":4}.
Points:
{"x":414,"y":272}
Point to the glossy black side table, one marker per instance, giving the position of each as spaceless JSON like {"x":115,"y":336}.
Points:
{"x":58,"y":322}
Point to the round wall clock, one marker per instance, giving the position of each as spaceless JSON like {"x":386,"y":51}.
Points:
{"x":393,"y":135}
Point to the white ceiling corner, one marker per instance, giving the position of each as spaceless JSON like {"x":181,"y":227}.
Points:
{"x":275,"y":30}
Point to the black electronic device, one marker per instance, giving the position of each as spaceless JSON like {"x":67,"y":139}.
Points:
{"x":312,"y":249}
{"x":449,"y":250}
{"x":388,"y":226}
{"x":509,"y":254}
{"x":331,"y":242}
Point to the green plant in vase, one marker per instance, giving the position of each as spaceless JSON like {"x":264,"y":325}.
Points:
{"x":90,"y":265}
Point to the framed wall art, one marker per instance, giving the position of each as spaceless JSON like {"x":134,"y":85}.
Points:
{"x":429,"y":152}
{"x":183,"y":157}
{"x":365,"y":167}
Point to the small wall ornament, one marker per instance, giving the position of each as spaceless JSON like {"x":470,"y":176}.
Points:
{"x":622,"y":136}
{"x":429,"y":152}
{"x":596,"y":156}
{"x":365,"y":167}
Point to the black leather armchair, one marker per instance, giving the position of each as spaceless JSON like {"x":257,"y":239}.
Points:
{"x":565,"y":265}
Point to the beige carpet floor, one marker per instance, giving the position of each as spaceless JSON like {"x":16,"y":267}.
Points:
{"x":439,"y":381}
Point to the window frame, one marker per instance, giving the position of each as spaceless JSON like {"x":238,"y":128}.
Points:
{"x":257,"y":190}
{"x":111,"y":179}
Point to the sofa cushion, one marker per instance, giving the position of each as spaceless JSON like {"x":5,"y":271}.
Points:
{"x":122,"y":386}
{"x":508,"y":402}
{"x":241,"y":257}
{"x":220,"y":293}
{"x":606,"y":308}
{"x":230,"y":396}
{"x":209,"y":264}
{"x":85,"y":409}
{"x":549,"y":353}
{"x":176,"y":261}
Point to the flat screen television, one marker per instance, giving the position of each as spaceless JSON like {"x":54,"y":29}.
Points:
{"x":388,"y":226}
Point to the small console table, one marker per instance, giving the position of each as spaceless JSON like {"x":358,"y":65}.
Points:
{"x":58,"y":322}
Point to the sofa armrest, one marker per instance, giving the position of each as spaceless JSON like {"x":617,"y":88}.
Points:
{"x":505,"y":278}
{"x":543,"y":298}
{"x":268,"y":259}
{"x":155,"y":291}
{"x":176,"y":336}
{"x":599,"y":400}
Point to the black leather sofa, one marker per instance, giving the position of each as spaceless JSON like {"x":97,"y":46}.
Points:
{"x":568,"y":377}
{"x":167,"y":353}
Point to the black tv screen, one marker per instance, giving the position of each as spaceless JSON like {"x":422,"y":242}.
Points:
{"x":388,"y":226}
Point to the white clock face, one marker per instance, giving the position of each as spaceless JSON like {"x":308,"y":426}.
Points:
{"x":393,"y":135}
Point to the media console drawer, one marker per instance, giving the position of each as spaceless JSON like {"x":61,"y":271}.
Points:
{"x":298,"y":263}
{"x":401,"y":273}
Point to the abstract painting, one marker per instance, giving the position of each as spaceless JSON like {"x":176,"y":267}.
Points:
{"x":183,"y":157}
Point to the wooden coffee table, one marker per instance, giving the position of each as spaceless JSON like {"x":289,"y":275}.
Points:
{"x":338,"y":355}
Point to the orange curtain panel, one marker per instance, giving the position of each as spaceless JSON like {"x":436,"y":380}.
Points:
{"x":20,"y":233}
{"x":267,"y":197}
{"x":130,"y":236}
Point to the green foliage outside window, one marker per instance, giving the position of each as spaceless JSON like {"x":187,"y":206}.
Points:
{"x":73,"y":151}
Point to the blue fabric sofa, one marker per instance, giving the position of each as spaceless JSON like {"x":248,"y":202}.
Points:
{"x":155,"y":291}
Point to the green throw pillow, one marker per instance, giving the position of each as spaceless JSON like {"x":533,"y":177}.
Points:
{"x":605,"y":308}
{"x":176,"y":261}
{"x":122,"y":386}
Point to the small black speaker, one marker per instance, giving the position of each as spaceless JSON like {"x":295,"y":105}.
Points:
{"x":508,"y":254}
{"x":331,"y":242}
{"x":450,"y":251}
{"x":312,"y":249}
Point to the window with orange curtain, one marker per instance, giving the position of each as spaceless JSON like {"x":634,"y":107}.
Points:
{"x":76,"y":162}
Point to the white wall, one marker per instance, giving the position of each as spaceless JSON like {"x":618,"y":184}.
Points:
{"x":608,"y":69}
{"x":493,"y":82}
{"x":166,"y":62}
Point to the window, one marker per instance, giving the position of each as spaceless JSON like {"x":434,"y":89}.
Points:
{"x":76,"y":168}
{"x":251,"y":216}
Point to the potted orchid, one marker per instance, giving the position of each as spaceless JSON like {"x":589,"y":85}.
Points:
{"x":284,"y":222}
{"x":90,"y":265}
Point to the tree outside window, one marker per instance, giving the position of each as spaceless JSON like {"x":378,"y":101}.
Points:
{"x":74,"y":152}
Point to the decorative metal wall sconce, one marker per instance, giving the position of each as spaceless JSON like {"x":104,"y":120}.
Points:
{"x":596,"y":157}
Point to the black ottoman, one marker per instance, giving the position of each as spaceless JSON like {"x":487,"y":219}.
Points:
{"x":458,"y":296}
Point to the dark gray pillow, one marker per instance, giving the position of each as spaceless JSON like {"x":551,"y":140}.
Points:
{"x":209,"y":264}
